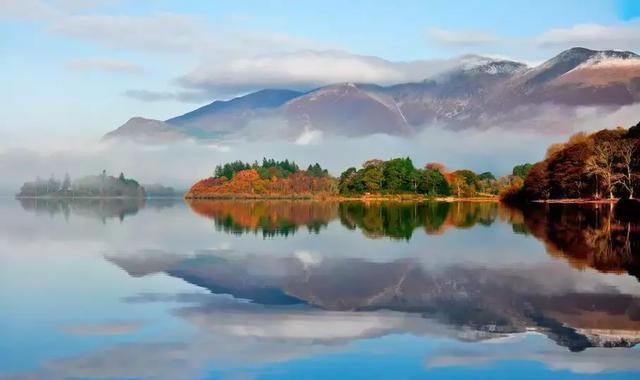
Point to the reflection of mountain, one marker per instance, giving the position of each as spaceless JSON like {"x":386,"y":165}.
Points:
{"x":588,"y":236}
{"x":103,"y":209}
{"x":269,"y":217}
{"x":376,"y":219}
{"x":487,"y":300}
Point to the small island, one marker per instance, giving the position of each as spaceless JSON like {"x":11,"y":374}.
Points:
{"x":394,"y":179}
{"x":270,"y":179}
{"x":92,"y":186}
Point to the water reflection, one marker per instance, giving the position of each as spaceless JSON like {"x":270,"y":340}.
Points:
{"x":588,"y":236}
{"x":338,"y":290}
{"x":396,"y":220}
{"x":96,"y":208}
{"x":478,"y":298}
{"x":271,"y":218}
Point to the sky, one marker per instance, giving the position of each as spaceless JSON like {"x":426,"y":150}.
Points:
{"x":72,"y":70}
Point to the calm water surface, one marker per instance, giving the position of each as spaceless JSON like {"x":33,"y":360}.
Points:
{"x":304,"y":290}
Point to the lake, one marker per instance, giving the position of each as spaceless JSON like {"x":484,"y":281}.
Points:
{"x":162,"y":289}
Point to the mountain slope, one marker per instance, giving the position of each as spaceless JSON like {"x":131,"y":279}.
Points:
{"x":238,"y":109}
{"x":481,"y":91}
{"x":145,"y":130}
{"x":346,"y":109}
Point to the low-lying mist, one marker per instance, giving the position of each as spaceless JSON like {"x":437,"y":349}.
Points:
{"x":495,"y":148}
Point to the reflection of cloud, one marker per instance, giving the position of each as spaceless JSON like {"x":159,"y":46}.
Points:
{"x":234,"y":335}
{"x":112,"y":328}
{"x":316,"y":326}
{"x":593,"y":360}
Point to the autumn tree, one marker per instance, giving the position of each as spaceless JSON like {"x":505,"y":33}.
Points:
{"x":602,"y":165}
{"x":627,"y":158}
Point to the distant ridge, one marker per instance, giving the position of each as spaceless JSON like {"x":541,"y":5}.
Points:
{"x":479,"y":89}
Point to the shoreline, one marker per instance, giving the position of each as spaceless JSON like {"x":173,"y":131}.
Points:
{"x":577,"y":201}
{"x":343,"y":198}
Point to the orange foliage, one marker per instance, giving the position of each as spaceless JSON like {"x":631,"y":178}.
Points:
{"x":248,"y":183}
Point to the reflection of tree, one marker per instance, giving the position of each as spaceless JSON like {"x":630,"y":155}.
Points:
{"x":97,"y":208}
{"x":272,"y":217}
{"x":398,"y":220}
{"x":588,"y":236}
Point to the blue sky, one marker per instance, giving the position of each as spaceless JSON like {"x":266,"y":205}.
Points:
{"x":80,"y":68}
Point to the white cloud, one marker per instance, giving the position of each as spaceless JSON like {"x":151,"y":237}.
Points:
{"x":163,"y":31}
{"x":309,"y":69}
{"x":26,"y":9}
{"x":105,"y":64}
{"x":461,"y":37}
{"x":594,"y":36}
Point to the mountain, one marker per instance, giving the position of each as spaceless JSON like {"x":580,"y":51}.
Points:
{"x":347,"y":109}
{"x":221,"y":117}
{"x":477,"y":92}
{"x":578,"y":76}
{"x":145,"y":130}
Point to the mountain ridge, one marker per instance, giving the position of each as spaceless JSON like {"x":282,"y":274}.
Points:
{"x":478,"y":89}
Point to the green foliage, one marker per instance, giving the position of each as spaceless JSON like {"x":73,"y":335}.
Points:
{"x":395,"y":176}
{"x":522,"y":170}
{"x":267,"y":169}
{"x":432,"y":183}
{"x":229,"y":169}
{"x":317,"y":171}
{"x":486,"y":176}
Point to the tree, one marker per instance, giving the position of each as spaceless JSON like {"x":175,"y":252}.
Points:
{"x":536,"y":184}
{"x":66,"y":183}
{"x":486,"y":176}
{"x":398,"y":175}
{"x":317,"y":171}
{"x":464,"y":182}
{"x":521,"y":170}
{"x":627,"y":156}
{"x":602,"y":165}
{"x":433,"y":183}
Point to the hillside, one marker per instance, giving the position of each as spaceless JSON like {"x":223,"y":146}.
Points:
{"x":481,"y":90}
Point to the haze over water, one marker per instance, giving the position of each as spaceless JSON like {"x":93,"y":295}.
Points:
{"x":294,"y":289}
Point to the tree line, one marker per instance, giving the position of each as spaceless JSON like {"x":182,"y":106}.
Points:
{"x":399,"y":176}
{"x":604,"y":164}
{"x":268,"y":169}
{"x":394,"y":176}
{"x":272,"y":178}
{"x":101,"y":185}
